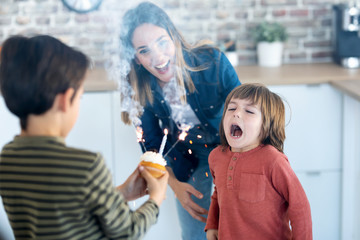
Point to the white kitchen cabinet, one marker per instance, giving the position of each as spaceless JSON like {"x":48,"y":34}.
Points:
{"x":351,"y":166}
{"x":313,"y":145}
{"x":323,"y":190}
{"x":92,"y":131}
{"x":313,"y":131}
{"x":94,"y":128}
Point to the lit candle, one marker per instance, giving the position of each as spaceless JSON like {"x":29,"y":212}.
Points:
{"x":163,"y":142}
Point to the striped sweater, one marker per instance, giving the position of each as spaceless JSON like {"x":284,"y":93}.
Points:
{"x":51,"y":191}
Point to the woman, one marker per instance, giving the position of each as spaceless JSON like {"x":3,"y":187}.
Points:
{"x":178,"y":86}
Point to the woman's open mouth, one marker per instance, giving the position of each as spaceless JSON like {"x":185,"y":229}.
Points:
{"x":235,"y":131}
{"x":163,"y":67}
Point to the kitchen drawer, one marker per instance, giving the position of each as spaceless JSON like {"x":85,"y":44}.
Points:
{"x":323,"y":190}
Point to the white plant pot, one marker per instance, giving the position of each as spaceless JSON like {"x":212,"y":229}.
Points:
{"x":269,"y":54}
{"x":233,"y":58}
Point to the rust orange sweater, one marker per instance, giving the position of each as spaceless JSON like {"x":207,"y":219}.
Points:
{"x":257,"y":196}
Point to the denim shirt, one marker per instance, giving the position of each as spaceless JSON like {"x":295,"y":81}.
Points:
{"x":212,"y":87}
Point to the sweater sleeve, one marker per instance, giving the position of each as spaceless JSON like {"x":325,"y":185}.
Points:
{"x":288,"y":185}
{"x":109,"y":206}
{"x":212,"y":221}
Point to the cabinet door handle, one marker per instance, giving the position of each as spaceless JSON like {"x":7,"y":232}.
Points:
{"x":313,"y":173}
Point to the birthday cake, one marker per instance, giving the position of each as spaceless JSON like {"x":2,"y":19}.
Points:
{"x":154,"y":163}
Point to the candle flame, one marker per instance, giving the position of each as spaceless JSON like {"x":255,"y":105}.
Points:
{"x":166,"y":131}
{"x":207,"y":175}
{"x":191,"y":142}
{"x":189,"y":151}
{"x":199,"y":136}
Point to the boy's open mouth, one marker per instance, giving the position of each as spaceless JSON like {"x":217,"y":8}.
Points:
{"x":235,"y":131}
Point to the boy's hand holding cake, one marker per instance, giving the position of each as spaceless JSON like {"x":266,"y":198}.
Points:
{"x":154,"y":163}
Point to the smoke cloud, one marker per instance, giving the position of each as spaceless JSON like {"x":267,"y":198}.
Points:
{"x":172,"y":94}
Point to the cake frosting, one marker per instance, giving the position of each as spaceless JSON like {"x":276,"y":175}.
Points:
{"x":153,"y":157}
{"x":154,"y":163}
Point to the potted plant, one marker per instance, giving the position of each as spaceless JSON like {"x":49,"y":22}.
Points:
{"x":269,"y":37}
{"x":229,"y":48}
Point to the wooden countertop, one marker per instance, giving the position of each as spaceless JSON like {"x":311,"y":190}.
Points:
{"x":98,"y":81}
{"x":347,"y":80}
{"x":350,"y":87}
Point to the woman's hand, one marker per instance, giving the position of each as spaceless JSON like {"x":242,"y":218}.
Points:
{"x":134,"y":187}
{"x":183,"y":192}
{"x":212,"y":234}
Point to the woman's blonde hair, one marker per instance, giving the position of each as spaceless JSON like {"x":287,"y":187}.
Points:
{"x":272,"y":110}
{"x":139,"y":77}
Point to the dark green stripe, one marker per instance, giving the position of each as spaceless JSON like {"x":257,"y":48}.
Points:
{"x":50,"y":157}
{"x":52,"y":149}
{"x":20,"y":173}
{"x":42,"y":183}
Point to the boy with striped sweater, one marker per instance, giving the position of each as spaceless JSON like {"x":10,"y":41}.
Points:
{"x":50,"y":190}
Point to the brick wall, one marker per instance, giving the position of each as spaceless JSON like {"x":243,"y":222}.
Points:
{"x":308,"y":23}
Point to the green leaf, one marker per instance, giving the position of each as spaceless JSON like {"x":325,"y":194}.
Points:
{"x":269,"y":32}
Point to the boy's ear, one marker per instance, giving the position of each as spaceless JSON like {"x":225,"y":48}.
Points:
{"x":65,"y":99}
